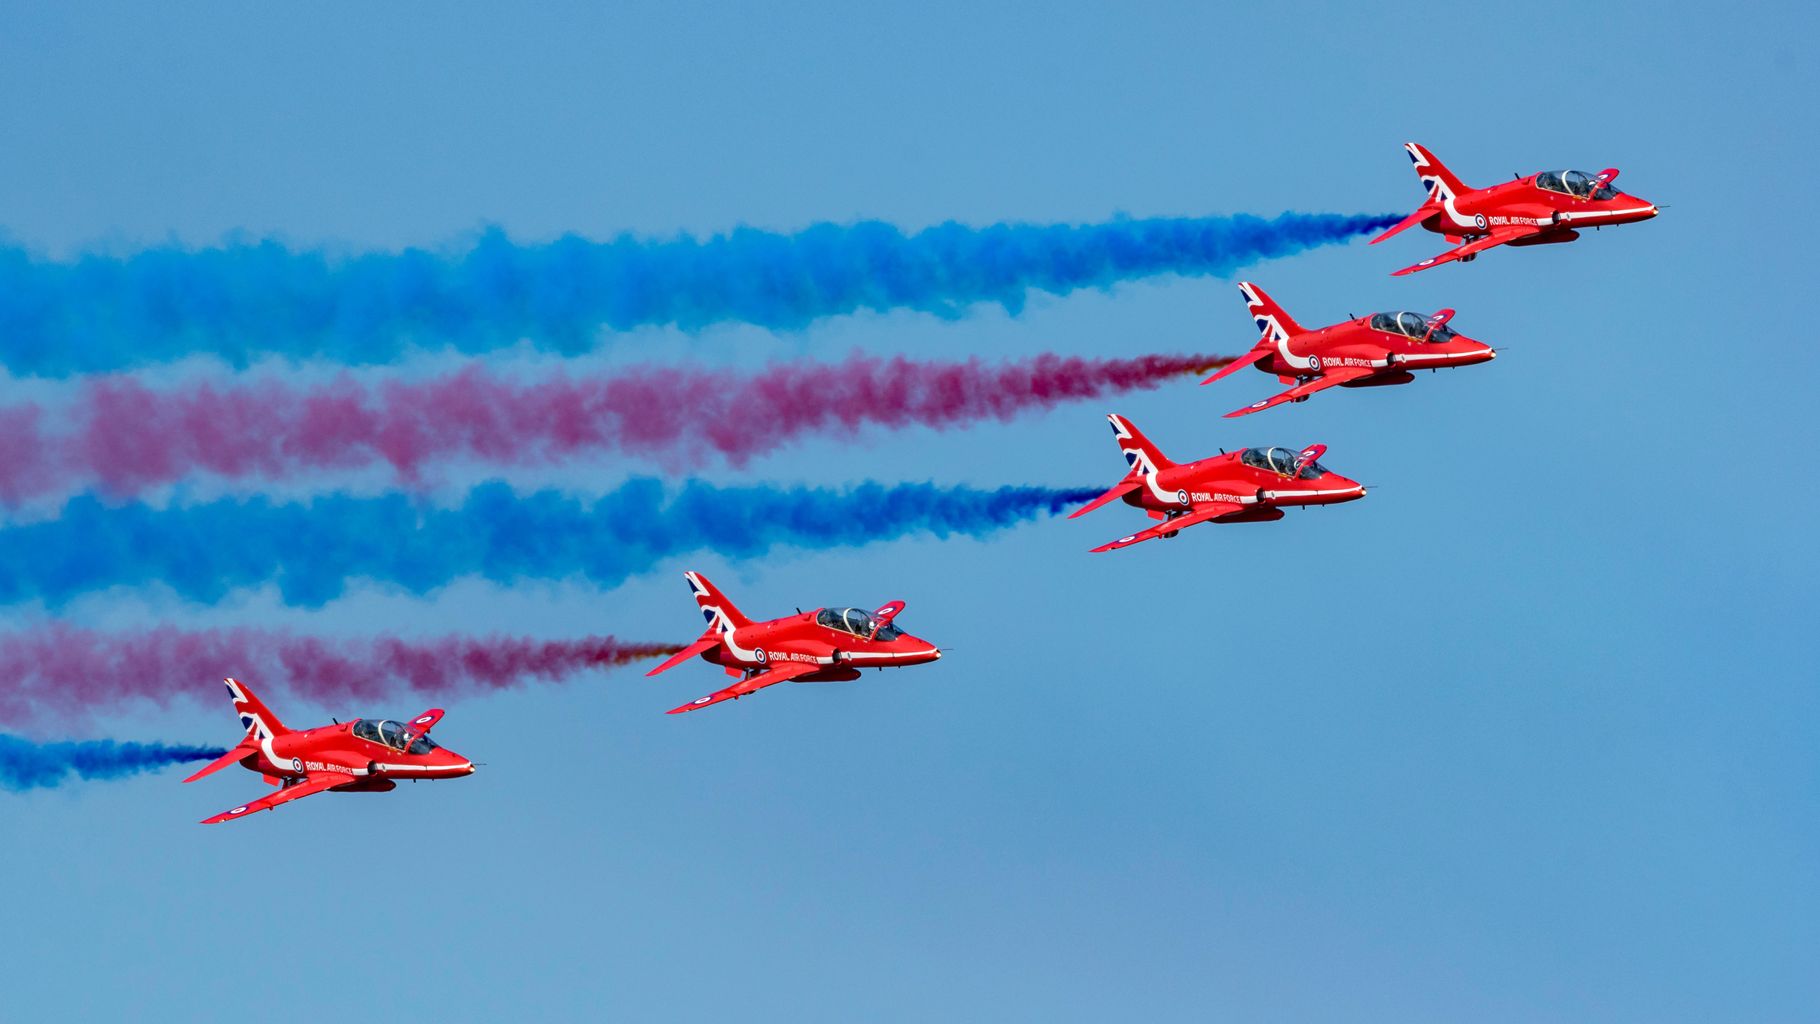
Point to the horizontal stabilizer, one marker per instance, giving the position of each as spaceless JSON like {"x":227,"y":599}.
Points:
{"x":1422,"y":213}
{"x":234,"y":756}
{"x":1119,"y":490}
{"x":706,"y":643}
{"x":1239,"y":364}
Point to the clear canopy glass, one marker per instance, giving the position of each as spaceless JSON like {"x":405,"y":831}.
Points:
{"x":392,"y":734}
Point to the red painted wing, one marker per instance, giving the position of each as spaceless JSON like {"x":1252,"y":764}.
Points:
{"x":1309,"y":454}
{"x":883,"y":617}
{"x":780,"y":674}
{"x":1471,"y":248}
{"x":1201,"y":513}
{"x":308,"y":787}
{"x":421,"y":724}
{"x":1326,"y":380}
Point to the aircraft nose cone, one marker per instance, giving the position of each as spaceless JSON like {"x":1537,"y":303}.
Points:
{"x":454,"y":764}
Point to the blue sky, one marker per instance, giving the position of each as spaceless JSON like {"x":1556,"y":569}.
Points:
{"x":1526,"y":735}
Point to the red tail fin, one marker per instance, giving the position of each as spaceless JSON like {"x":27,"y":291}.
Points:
{"x":259,"y":721}
{"x":1269,"y":317}
{"x":1436,"y":178}
{"x":722,"y":616}
{"x":1143,"y":457}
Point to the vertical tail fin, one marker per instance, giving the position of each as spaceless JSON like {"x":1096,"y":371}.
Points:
{"x":1269,"y":317}
{"x":1144,"y":457}
{"x":722,"y":616}
{"x":1436,"y":178}
{"x":259,"y":721}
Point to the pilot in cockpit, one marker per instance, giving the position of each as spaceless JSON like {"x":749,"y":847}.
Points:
{"x":856,"y":621}
{"x":1412,"y":325}
{"x":1281,"y":461}
{"x":1579,"y":184}
{"x":393,"y":735}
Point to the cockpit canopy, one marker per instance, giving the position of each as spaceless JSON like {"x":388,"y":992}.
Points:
{"x":1575,"y":183}
{"x":392,"y":734}
{"x":855,"y":621}
{"x":1411,"y":325}
{"x":1280,"y":461}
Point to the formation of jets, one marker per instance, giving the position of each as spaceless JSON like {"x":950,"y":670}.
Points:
{"x":1247,"y":486}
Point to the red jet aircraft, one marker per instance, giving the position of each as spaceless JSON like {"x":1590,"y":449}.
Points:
{"x":1252,"y":486}
{"x":362,"y":756}
{"x":1371,"y":351}
{"x":1538,"y":210}
{"x":828,"y":645}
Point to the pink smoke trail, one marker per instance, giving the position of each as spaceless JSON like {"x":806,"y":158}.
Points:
{"x":127,"y":438}
{"x":63,"y":673}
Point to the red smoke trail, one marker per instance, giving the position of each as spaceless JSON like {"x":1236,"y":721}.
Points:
{"x":127,"y":437}
{"x":63,"y":672}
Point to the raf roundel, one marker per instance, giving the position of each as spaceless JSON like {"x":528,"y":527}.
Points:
{"x":1479,"y":219}
{"x":422,"y":720}
{"x":1182,"y":496}
{"x":297,"y":764}
{"x":759,"y":653}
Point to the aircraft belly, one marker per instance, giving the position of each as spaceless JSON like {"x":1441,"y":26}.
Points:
{"x":1379,"y":380}
{"x":830,"y":675}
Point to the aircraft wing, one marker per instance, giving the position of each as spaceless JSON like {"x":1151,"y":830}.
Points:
{"x":308,"y":787}
{"x":1474,"y":247}
{"x":1201,"y":513}
{"x":777,"y":674}
{"x":1332,"y":378}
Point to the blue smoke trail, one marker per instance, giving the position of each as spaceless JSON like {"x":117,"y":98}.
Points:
{"x":312,"y":549}
{"x":243,"y":300}
{"x":27,"y":765}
